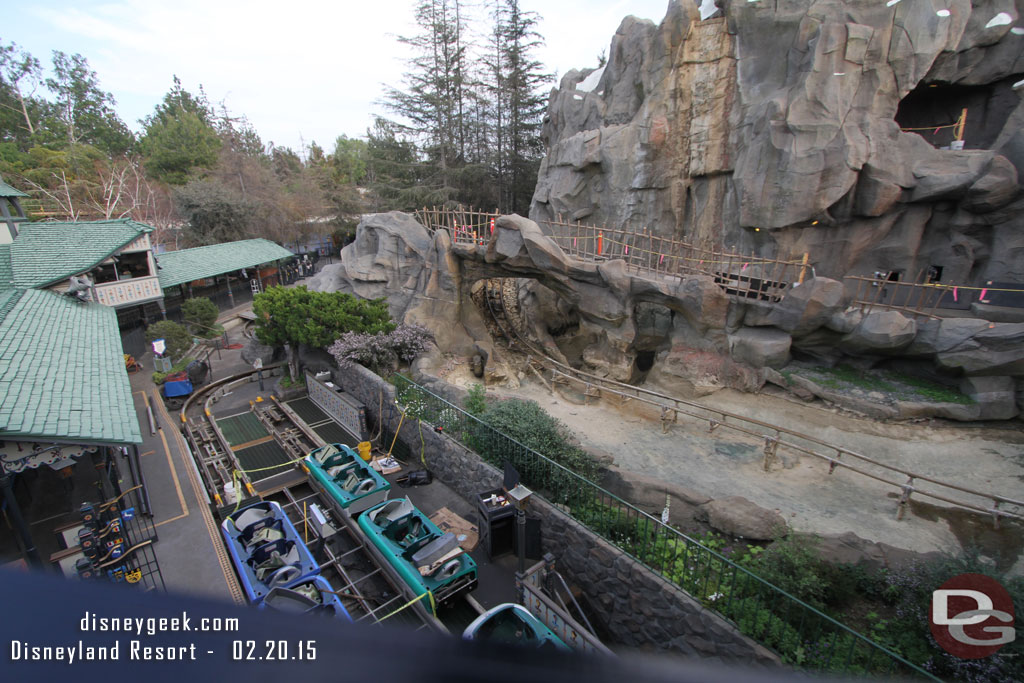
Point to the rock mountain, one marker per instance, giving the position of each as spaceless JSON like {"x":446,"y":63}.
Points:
{"x":778,"y":127}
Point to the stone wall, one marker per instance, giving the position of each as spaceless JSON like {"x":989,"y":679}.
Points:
{"x":642,"y":609}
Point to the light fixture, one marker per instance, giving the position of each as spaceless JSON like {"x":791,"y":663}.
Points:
{"x":520,"y":496}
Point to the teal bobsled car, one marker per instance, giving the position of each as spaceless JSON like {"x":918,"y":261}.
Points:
{"x":427,"y":559}
{"x":345,"y":477}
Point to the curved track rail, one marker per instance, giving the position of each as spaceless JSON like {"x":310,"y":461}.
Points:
{"x":773,"y":436}
{"x":370,"y":588}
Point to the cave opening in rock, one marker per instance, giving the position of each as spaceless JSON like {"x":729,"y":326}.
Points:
{"x":644,"y":361}
{"x":933,"y":109}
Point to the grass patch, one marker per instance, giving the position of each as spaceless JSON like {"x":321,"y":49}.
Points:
{"x":287,"y":382}
{"x":896,"y":385}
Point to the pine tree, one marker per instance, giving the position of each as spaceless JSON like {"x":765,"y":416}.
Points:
{"x":523,"y":78}
{"x":434,"y":101}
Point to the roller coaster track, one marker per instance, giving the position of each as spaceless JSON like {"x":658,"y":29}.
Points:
{"x":773,"y":436}
{"x":371,"y":589}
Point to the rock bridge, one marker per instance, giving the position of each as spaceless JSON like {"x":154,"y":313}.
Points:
{"x":683,"y":331}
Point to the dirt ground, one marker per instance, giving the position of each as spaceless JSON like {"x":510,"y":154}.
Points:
{"x":988,"y":458}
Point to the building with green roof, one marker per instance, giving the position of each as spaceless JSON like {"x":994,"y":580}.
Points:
{"x":47,"y":253}
{"x":64,"y":390}
{"x":62,"y":373}
{"x":188,"y":265}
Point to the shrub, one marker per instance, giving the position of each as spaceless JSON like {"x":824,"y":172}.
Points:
{"x":530,"y":425}
{"x":476,"y":400}
{"x":201,"y":312}
{"x":177,"y":337}
{"x":159,"y":377}
{"x":381,"y":351}
{"x":409,"y":341}
{"x":287,"y":382}
{"x":793,"y":565}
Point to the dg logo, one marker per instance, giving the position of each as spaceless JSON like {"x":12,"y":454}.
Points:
{"x":972,"y":616}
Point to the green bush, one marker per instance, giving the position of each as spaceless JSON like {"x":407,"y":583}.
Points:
{"x":159,"y":377}
{"x":530,"y":425}
{"x":177,"y":337}
{"x":287,"y":382}
{"x":476,"y":400}
{"x":201,"y":313}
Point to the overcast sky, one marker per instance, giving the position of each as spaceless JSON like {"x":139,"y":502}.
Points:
{"x":300,"y":70}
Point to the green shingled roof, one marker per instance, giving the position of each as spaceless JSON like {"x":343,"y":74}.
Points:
{"x":8,"y":191}
{"x":177,"y":267}
{"x":45,"y":253}
{"x":62,"y":373}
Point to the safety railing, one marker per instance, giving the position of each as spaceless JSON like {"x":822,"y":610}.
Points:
{"x":924,"y":296}
{"x":803,"y":635}
{"x":742,"y":275}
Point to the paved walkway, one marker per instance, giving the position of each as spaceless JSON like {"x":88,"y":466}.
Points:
{"x":190,"y":552}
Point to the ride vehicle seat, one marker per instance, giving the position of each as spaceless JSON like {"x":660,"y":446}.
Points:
{"x":336,"y":471}
{"x":276,"y":563}
{"x":390,"y":512}
{"x":357,"y":485}
{"x":253,"y":518}
{"x":436,"y":549}
{"x":325,"y":453}
{"x":257,"y":534}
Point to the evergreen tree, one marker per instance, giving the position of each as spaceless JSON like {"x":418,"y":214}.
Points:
{"x":180,"y":136}
{"x":433,"y":104}
{"x":518,"y":103}
{"x":392,"y":168}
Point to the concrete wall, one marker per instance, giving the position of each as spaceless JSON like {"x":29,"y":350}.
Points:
{"x":641,"y":609}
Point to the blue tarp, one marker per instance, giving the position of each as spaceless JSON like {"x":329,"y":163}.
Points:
{"x":179,"y":388}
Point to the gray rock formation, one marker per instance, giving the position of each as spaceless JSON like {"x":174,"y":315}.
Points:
{"x":849,"y":548}
{"x":788,"y":117}
{"x":685,"y":336}
{"x":394,"y":257}
{"x":738,"y":517}
{"x":761,"y":347}
{"x":253,"y":349}
{"x":880,"y":332}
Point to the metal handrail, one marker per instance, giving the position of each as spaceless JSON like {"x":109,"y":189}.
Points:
{"x":772,"y":442}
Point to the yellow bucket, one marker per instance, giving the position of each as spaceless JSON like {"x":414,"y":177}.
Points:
{"x":364,"y":450}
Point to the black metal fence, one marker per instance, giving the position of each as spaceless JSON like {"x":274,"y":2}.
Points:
{"x":803,"y":635}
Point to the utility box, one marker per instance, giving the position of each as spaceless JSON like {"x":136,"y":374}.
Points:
{"x":496,"y":521}
{"x":162,"y":363}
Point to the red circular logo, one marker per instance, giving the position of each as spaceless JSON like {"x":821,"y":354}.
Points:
{"x":972,"y":616}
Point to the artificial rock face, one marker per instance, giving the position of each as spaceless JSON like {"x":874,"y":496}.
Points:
{"x":684,"y":335}
{"x":786,"y":116}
